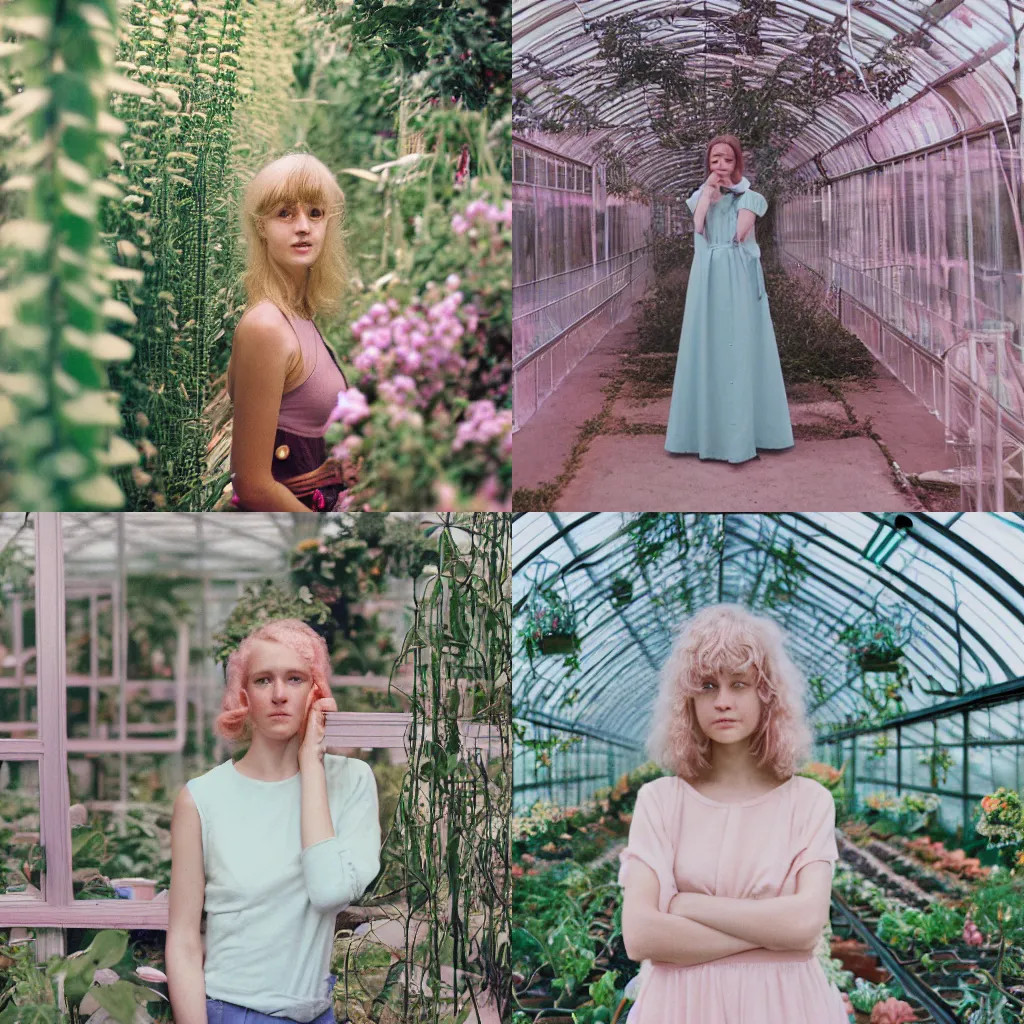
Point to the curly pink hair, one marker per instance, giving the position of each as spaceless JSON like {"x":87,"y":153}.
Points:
{"x":233,"y":722}
{"x":725,"y":638}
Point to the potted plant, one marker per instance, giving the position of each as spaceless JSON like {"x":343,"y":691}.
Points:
{"x":621,"y":591}
{"x":877,"y":645}
{"x":550,"y":625}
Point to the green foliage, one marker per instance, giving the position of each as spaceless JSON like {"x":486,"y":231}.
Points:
{"x":34,"y":988}
{"x":260,"y":603}
{"x":58,"y":419}
{"x":17,"y":562}
{"x":175,"y":223}
{"x":939,"y":925}
{"x":461,"y":631}
{"x":460,"y":51}
{"x":865,"y":994}
{"x":812,"y":344}
{"x":548,"y":614}
{"x":765,"y":101}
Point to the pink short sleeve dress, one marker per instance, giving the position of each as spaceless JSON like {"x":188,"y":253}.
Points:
{"x":747,"y":850}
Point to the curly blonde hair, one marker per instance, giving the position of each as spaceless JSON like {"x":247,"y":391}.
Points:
{"x":295,"y":178}
{"x":233,"y":722}
{"x":725,"y":638}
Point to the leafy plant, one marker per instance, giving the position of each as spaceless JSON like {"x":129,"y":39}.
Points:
{"x":938,"y":759}
{"x":261,"y":602}
{"x":461,"y":630}
{"x":865,"y":994}
{"x":550,"y":626}
{"x":1002,"y":818}
{"x":984,"y":1005}
{"x":877,"y":643}
{"x":620,"y":591}
{"x":103,"y":976}
{"x":58,"y":418}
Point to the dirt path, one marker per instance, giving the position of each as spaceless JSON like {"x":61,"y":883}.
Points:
{"x":598,"y":445}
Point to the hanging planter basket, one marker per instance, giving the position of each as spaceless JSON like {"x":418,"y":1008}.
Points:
{"x":878,"y":643}
{"x":551,"y":622}
{"x":621,"y":592}
{"x":559,"y":643}
{"x":882,"y":659}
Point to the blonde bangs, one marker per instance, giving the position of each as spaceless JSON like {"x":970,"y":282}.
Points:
{"x":296,"y":178}
{"x":308,"y":182}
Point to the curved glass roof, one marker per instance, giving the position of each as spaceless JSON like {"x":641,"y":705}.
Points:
{"x":955,"y":578}
{"x":960,"y":53}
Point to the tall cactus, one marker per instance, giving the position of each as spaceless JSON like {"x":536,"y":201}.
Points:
{"x":58,"y":418}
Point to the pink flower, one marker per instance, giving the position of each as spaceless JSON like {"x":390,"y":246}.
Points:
{"x":459,"y":224}
{"x":482,"y":424}
{"x":892,"y":1011}
{"x":446,"y":496}
{"x":151,"y":974}
{"x":106,"y":976}
{"x":351,"y":407}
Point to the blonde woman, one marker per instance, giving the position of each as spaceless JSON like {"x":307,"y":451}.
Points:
{"x":283,"y":380}
{"x":728,"y":870}
{"x":271,"y":846}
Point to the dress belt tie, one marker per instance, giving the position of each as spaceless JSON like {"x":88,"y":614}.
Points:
{"x":749,"y":255}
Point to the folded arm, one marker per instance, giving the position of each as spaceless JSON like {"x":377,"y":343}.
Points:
{"x":649,"y":934}
{"x":780,"y":923}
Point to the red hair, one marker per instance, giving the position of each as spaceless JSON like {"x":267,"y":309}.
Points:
{"x":233,"y":722}
{"x":723,"y":638}
{"x":737,"y":150}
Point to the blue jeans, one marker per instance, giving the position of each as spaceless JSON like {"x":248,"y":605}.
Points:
{"x":220,"y":1012}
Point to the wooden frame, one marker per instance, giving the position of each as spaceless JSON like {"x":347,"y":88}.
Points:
{"x":57,"y":909}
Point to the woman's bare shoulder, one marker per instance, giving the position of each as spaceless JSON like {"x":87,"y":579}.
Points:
{"x":264,"y":322}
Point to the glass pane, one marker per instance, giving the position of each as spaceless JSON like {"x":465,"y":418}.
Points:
{"x":19,"y":832}
{"x":18,"y":719}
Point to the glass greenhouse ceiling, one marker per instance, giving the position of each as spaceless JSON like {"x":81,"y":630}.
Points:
{"x":962,"y":73}
{"x":957,"y":577}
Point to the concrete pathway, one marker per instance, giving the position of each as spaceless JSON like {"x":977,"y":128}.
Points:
{"x":835,"y":464}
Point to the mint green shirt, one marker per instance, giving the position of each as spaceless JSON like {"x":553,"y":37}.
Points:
{"x":270,"y":905}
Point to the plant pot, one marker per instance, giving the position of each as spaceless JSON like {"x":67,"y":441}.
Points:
{"x":621,"y":593}
{"x":881,"y":662}
{"x":558,"y":643}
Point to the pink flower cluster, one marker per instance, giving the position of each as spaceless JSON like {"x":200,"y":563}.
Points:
{"x":483,"y":423}
{"x":351,"y":407}
{"x":480,"y":209}
{"x":424,"y":342}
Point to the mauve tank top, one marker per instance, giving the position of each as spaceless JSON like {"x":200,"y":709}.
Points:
{"x":305,"y":409}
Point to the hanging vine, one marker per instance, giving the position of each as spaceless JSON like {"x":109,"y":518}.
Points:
{"x":453,"y":826}
{"x":767,"y":103}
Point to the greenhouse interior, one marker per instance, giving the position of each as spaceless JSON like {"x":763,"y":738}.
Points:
{"x":885,"y":137}
{"x":909,"y":633}
{"x":137,"y":615}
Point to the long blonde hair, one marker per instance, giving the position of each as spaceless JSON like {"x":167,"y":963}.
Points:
{"x":295,"y":178}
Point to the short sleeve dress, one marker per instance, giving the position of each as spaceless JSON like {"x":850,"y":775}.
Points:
{"x":753,"y":849}
{"x":728,"y":394}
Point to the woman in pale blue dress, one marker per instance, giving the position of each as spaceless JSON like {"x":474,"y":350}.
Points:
{"x":728,"y":398}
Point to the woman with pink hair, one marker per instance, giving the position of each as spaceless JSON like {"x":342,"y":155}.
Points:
{"x":271,"y":846}
{"x":728,"y":870}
